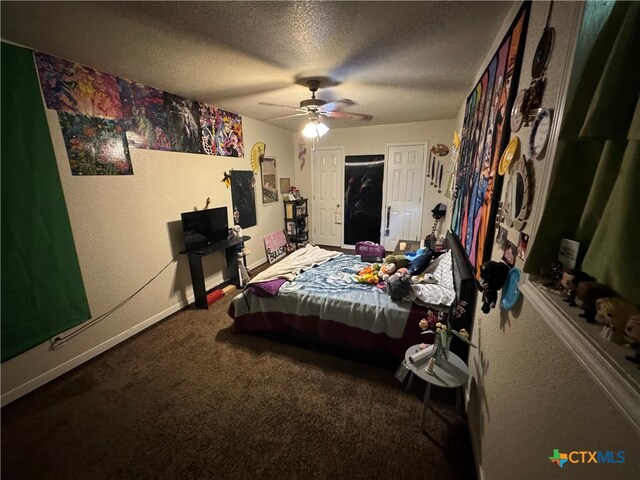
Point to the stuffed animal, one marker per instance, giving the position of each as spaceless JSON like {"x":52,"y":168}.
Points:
{"x":368,"y":274}
{"x":386,"y":270}
{"x":632,"y":334}
{"x":492,"y":278}
{"x":399,"y":284}
{"x":570,"y":281}
{"x":398,"y":260}
{"x":424,"y":278}
{"x":420,"y":263}
{"x":614,"y":313}
{"x":588,"y":293}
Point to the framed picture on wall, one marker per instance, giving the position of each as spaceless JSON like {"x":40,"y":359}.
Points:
{"x":269,"y":186}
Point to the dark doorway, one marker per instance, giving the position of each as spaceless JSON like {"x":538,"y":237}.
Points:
{"x":363,"y":176}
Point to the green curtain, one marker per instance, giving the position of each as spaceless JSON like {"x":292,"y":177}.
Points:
{"x":42,"y":289}
{"x":593,"y":196}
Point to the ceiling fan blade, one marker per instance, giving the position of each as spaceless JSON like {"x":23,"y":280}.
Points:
{"x":340,"y":114}
{"x":285,"y":116}
{"x":281,"y":106}
{"x":338,"y":104}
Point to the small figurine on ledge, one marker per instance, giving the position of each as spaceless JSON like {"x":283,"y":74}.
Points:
{"x":632,"y":333}
{"x":570,"y":281}
{"x":614,"y":314}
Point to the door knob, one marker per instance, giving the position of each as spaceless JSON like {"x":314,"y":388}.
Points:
{"x":337,"y":205}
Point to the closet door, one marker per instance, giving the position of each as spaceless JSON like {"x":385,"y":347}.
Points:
{"x":327,"y":175}
{"x":404,"y":186}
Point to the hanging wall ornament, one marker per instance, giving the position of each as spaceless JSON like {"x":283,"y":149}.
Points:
{"x":433,"y":171}
{"x":540,"y":134}
{"x":439,"y":150}
{"x":440,"y":178}
{"x":544,"y":49}
{"x":302,"y":152}
{"x":257,"y":154}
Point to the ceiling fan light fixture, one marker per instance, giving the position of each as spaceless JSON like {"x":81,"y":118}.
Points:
{"x":314,"y":129}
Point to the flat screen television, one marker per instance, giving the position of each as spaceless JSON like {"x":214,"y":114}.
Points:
{"x":204,"y":227}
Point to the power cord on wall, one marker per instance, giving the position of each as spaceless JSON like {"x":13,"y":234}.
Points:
{"x":61,"y":340}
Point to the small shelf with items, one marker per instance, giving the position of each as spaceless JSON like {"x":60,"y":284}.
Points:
{"x":295,"y":221}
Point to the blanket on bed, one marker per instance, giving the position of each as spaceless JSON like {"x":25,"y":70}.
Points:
{"x":298,"y":261}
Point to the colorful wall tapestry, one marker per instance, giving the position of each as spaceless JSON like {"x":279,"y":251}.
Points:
{"x":145,"y":116}
{"x":243,"y":198}
{"x":221,"y":132}
{"x":96,"y":146}
{"x":485,"y":135}
{"x":74,"y":88}
{"x":151,"y":118}
{"x":229,"y":135}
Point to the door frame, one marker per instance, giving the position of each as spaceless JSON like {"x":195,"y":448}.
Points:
{"x":313,"y":192}
{"x":387,"y":146}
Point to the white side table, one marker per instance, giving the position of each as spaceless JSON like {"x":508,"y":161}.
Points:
{"x":451,"y":374}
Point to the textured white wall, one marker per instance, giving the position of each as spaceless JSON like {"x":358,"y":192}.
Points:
{"x":127,"y":228}
{"x":372,"y":140}
{"x":528,"y":394}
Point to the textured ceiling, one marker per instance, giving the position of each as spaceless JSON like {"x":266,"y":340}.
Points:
{"x":398,"y":61}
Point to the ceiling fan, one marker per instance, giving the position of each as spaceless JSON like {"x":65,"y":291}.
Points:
{"x":316,"y":108}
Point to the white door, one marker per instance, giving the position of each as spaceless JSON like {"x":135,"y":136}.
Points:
{"x":327,"y":180}
{"x":404,"y":186}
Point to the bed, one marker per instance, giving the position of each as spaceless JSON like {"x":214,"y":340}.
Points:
{"x":324,"y":302}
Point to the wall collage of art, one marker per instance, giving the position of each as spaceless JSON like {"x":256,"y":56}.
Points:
{"x":103,"y":115}
{"x":490,"y":152}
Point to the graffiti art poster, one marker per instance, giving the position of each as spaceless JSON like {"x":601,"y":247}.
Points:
{"x":144,"y":115}
{"x":73,"y":88}
{"x":95,"y":146}
{"x":183,"y":123}
{"x":485,"y":135}
{"x":208,"y":115}
{"x":229,"y":134}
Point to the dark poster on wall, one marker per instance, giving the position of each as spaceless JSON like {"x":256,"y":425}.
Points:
{"x":243,"y":198}
{"x":485,"y":134}
{"x":363,"y":198}
{"x":183,"y":123}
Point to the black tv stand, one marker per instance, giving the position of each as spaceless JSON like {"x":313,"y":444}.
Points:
{"x":197,"y":272}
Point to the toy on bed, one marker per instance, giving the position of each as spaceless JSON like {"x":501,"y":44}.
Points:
{"x":492,"y":278}
{"x":399,"y":284}
{"x":428,"y":278}
{"x":368,"y":274}
{"x":399,"y":261}
{"x":614,"y":314}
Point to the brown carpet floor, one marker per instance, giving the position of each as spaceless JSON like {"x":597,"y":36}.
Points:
{"x":187,"y":398}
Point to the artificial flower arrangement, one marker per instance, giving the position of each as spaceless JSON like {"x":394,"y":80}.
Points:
{"x":435,"y":324}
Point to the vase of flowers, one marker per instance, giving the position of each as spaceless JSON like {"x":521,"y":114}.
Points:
{"x":444,"y":332}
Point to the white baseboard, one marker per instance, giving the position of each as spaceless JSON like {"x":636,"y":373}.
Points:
{"x":59,"y":370}
{"x":55,"y":372}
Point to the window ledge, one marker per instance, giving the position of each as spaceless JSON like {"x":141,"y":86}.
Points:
{"x":604,"y":360}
